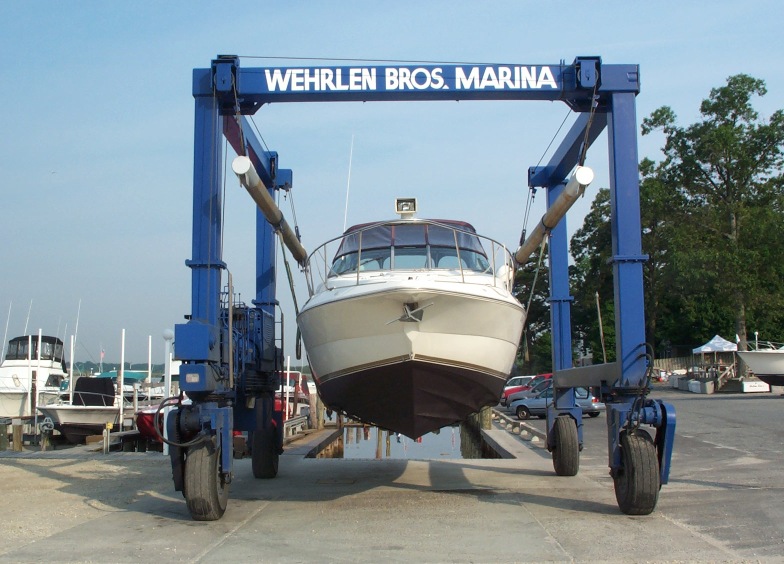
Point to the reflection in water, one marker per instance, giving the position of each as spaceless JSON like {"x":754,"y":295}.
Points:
{"x":367,"y":442}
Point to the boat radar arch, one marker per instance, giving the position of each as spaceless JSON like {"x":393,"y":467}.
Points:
{"x":405,"y":207}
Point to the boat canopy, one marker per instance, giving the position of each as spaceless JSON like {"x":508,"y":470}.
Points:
{"x":410,"y":245}
{"x":51,"y":348}
{"x":129,"y":376}
{"x":441,"y":233}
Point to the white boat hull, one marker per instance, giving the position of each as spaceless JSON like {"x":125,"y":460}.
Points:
{"x":16,"y":385}
{"x":412,"y":373}
{"x":767,"y":365}
{"x":76,"y":422}
{"x":17,"y":403}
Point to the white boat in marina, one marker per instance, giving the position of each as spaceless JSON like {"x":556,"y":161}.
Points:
{"x":26,"y":381}
{"x":411,"y":324}
{"x":766,"y":364}
{"x":94,"y":404}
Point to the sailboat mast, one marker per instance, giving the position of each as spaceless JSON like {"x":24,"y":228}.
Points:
{"x":5,"y":337}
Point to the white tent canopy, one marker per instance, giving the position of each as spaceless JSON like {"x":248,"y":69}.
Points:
{"x":716,"y":344}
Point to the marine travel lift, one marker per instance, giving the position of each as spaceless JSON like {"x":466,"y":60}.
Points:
{"x":228,"y":349}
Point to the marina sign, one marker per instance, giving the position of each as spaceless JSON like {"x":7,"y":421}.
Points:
{"x":411,"y":78}
{"x":247,"y":89}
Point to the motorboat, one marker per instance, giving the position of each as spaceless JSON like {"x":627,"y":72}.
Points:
{"x":27,"y":380}
{"x":411,"y":324}
{"x":94,"y":405}
{"x":766,"y":364}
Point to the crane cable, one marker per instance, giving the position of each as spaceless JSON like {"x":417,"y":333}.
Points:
{"x":532,"y":195}
{"x":526,"y":217}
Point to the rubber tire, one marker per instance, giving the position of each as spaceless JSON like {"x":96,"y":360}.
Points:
{"x":637,"y":483}
{"x":522,"y":412}
{"x":264,"y":454}
{"x":566,"y":449}
{"x":206,"y":492}
{"x":593,"y":414}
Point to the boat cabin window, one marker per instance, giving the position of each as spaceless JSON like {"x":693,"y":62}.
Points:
{"x":55,"y":380}
{"x":409,"y":247}
{"x":51,"y":349}
{"x":410,"y":258}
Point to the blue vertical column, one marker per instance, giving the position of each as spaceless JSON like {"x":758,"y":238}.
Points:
{"x":561,"y":323}
{"x":265,"y":262}
{"x":206,"y":262}
{"x":266,"y":284}
{"x":560,"y":300}
{"x":626,"y":240}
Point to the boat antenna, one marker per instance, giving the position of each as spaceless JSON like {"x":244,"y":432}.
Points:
{"x":5,"y":337}
{"x":29,"y":309}
{"x":348,"y":183}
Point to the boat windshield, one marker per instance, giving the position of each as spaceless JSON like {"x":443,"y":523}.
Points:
{"x":51,"y":348}
{"x":410,"y":246}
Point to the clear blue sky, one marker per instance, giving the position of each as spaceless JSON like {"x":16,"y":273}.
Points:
{"x":96,"y":132}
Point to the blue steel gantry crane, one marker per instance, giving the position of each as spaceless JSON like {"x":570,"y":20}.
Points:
{"x":228,"y":349}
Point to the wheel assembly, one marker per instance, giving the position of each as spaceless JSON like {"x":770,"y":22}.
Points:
{"x":566,"y":449}
{"x":637,"y":482}
{"x":206,"y":490}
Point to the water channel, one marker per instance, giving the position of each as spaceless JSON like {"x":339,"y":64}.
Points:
{"x":367,"y":442}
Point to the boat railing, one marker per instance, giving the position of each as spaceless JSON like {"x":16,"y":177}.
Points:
{"x":97,"y":399}
{"x":324,"y":266}
{"x":767,"y":345}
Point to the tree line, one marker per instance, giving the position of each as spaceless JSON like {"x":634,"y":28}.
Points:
{"x":712,"y":214}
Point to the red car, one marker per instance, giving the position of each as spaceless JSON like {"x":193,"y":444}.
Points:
{"x":508,"y":391}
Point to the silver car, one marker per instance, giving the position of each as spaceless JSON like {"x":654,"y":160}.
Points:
{"x":524,"y":408}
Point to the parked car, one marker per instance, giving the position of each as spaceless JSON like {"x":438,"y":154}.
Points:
{"x":515,"y":384}
{"x":537,"y":405}
{"x":524,"y":388}
{"x":518,"y":381}
{"x":537,"y":389}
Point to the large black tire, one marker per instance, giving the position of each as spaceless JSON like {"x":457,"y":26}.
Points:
{"x":264,"y":454}
{"x":566,"y":449}
{"x":522,"y":412}
{"x":637,"y":483}
{"x":205,"y":489}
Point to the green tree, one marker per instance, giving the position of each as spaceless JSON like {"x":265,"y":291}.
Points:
{"x":591,"y":276}
{"x":532,"y":290}
{"x":726,"y":169}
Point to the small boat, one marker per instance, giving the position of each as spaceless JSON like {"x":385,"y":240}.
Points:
{"x":766,"y":364}
{"x":411,"y":325}
{"x":94,"y":406}
{"x":26,"y":382}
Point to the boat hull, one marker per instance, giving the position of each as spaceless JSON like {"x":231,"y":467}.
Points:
{"x":16,"y":387}
{"x":767,"y":365}
{"x":76,"y":422}
{"x":17,"y":404}
{"x":411,"y":397}
{"x":145,"y":423}
{"x":411,"y":374}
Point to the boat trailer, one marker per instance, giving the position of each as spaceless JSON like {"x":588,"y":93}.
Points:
{"x":230,"y":353}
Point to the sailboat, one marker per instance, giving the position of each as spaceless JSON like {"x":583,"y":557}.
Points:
{"x":411,"y":324}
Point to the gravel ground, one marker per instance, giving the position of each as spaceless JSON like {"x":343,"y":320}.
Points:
{"x":43,"y":496}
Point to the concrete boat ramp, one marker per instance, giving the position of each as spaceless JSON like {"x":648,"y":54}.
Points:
{"x":74,"y":505}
